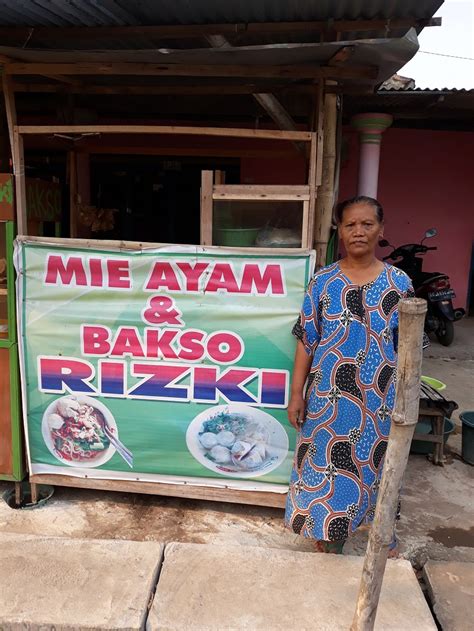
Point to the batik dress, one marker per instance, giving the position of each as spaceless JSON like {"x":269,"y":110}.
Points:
{"x":351,"y":333}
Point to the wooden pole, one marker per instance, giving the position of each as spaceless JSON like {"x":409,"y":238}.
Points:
{"x":325,"y":199}
{"x":207,"y":184}
{"x":18,"y":158}
{"x":72,"y":194}
{"x":404,"y":418}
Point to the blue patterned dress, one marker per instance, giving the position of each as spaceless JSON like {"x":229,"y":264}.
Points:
{"x":351,"y":332}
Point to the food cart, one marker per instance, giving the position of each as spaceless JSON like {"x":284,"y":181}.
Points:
{"x":165,"y":368}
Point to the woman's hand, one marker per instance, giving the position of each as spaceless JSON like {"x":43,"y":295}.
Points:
{"x":296,"y":410}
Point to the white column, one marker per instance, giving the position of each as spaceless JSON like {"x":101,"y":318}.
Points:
{"x":370,"y":128}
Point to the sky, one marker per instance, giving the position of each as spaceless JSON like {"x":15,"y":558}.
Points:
{"x":454,"y":37}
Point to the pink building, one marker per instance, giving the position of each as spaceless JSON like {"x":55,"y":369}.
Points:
{"x":425,"y":175}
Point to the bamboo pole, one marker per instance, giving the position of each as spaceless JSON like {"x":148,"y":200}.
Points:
{"x":404,"y":418}
{"x":325,"y":199}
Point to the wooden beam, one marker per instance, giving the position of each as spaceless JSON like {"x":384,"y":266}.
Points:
{"x":192,"y":491}
{"x":10,"y":109}
{"x":221,"y":151}
{"x":229,"y":132}
{"x":179,"y":89}
{"x":306,"y":240}
{"x":63,"y":79}
{"x":252,"y":192}
{"x":207,"y":181}
{"x":72,"y":168}
{"x":296,"y":71}
{"x":18,"y":157}
{"x":218,"y":88}
{"x":181,"y":31}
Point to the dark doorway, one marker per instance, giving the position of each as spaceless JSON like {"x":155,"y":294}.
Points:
{"x":155,"y":199}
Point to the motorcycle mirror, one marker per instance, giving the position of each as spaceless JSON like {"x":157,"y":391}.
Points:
{"x":383,"y":243}
{"x":432,"y":232}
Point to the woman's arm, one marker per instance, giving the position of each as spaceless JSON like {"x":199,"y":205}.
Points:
{"x":296,"y":406}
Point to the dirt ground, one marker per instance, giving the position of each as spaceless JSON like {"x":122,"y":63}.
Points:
{"x":437,"y":503}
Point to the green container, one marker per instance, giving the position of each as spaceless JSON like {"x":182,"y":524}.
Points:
{"x":424,"y":427}
{"x":467,"y":420}
{"x":235,"y":237}
{"x":434,"y":383}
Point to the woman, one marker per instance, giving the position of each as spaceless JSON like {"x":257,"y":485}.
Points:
{"x":346,"y":352}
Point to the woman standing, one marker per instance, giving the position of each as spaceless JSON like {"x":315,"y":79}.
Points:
{"x":346,"y":352}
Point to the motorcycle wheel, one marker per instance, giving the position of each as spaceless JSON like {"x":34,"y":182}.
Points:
{"x":445,"y":332}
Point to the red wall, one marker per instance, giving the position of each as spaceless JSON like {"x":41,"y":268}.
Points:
{"x":426,"y":180}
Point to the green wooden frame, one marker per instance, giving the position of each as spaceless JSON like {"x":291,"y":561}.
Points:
{"x":11,"y":343}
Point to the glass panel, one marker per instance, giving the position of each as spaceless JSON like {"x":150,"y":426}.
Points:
{"x":258,"y":224}
{"x":3,"y":283}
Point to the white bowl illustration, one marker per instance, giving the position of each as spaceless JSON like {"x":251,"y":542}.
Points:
{"x":236,"y":440}
{"x":56,"y":417}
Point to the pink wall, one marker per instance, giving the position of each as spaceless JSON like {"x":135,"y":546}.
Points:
{"x":426,"y":180}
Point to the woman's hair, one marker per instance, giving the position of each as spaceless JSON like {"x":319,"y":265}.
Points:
{"x":359,"y":199}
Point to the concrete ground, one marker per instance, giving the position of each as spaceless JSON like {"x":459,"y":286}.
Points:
{"x":77,"y":584}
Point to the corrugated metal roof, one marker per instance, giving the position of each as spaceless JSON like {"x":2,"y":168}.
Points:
{"x":153,"y":12}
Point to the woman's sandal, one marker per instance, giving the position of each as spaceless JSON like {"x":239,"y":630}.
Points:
{"x":393,"y":551}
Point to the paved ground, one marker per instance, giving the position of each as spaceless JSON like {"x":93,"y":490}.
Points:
{"x":451,"y":590}
{"x":51,"y":583}
{"x":206,"y":588}
{"x":78,"y":584}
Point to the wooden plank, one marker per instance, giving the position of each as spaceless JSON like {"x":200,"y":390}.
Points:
{"x":72,"y":167}
{"x":10,"y":109}
{"x":305,"y":236}
{"x":295,"y":191}
{"x":320,"y":133}
{"x":296,"y":71}
{"x":219,"y":177}
{"x":138,"y":246}
{"x":250,"y":197}
{"x":221,"y":151}
{"x":190,"y":491}
{"x":18,"y":157}
{"x":229,"y":132}
{"x":182,"y":31}
{"x":207,"y":181}
{"x":180,"y":89}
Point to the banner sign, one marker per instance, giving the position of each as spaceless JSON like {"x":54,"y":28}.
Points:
{"x":169,"y":364}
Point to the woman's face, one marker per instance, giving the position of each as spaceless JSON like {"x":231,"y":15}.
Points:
{"x":360,"y":230}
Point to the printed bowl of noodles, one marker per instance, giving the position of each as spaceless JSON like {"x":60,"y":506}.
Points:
{"x":74,"y":431}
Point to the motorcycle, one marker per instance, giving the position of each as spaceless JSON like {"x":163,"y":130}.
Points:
{"x":434,"y":287}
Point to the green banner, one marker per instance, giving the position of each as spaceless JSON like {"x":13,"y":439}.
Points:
{"x":168,"y":364}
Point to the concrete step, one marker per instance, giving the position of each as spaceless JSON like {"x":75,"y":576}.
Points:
{"x":65,"y":584}
{"x":216,"y":588}
{"x":451,"y":591}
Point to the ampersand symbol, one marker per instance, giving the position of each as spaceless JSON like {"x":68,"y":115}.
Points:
{"x":162,"y":310}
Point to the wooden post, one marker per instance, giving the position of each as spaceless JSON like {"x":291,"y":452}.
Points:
{"x":207,"y":183}
{"x":18,"y":158}
{"x":325,"y":200}
{"x":404,"y":418}
{"x":72,"y":164}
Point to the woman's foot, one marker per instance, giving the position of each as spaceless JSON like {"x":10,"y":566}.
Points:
{"x":329,"y":547}
{"x":393,"y":551}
